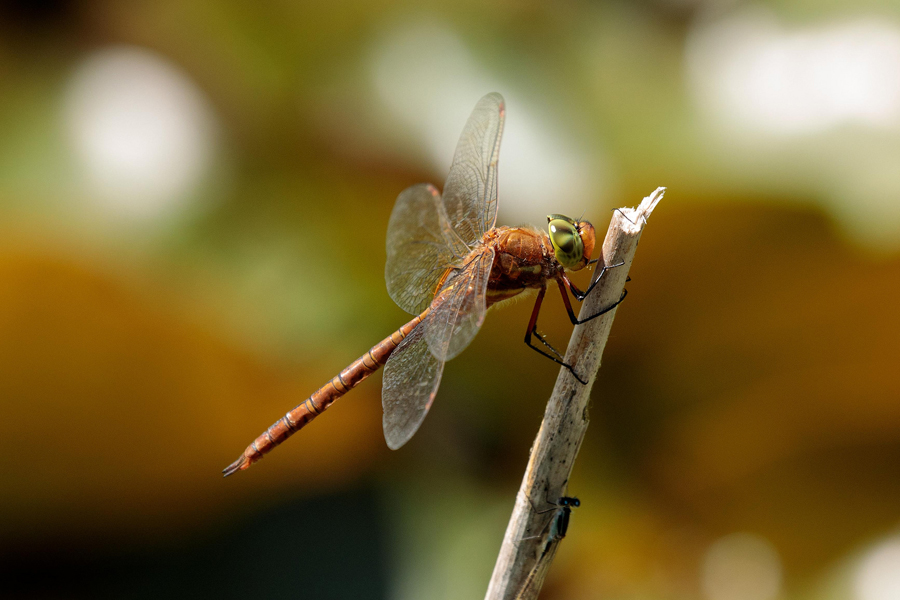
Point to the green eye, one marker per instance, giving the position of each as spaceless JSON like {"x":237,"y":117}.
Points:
{"x":567,"y":244}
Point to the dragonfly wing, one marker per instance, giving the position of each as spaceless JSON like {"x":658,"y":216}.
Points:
{"x":411,"y":378}
{"x":413,"y":372}
{"x":470,"y":192}
{"x":421,"y":246}
{"x":458,"y":309}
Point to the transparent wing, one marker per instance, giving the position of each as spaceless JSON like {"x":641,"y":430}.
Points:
{"x":470,"y":192}
{"x":411,"y":378}
{"x":426,"y":236}
{"x":413,"y":372}
{"x":421,"y":246}
{"x":459,"y":307}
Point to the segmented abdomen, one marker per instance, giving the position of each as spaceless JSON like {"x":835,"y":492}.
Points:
{"x":322,"y":398}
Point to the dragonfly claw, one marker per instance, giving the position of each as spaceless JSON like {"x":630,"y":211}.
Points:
{"x":574,"y":374}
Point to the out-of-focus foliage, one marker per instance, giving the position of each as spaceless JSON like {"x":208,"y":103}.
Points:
{"x":193,"y":203}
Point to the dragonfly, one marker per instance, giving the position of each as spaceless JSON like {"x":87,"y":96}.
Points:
{"x":556,"y":530}
{"x":447,"y":264}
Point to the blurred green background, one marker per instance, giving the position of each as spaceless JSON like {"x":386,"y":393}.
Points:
{"x":193,"y":204}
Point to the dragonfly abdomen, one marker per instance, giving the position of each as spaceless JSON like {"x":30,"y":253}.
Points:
{"x":322,"y":398}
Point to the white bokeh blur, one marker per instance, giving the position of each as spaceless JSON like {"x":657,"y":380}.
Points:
{"x":752,"y":73}
{"x":142,"y":132}
{"x":877,"y":576}
{"x":805,"y":107}
{"x":741,"y":566}
{"x":429,"y":81}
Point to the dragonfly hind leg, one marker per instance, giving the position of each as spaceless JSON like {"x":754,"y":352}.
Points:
{"x":543,"y":339}
{"x":532,"y":330}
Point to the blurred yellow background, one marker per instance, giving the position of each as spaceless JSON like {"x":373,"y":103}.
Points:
{"x":193,"y":205}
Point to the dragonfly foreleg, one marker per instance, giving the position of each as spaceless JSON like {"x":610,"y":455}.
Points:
{"x":532,"y":330}
{"x":582,"y":295}
{"x":624,"y":216}
{"x":565,"y":283}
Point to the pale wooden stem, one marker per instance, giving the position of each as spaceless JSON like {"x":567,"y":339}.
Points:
{"x":565,"y":420}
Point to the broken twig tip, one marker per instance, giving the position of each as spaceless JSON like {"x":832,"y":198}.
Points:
{"x":649,"y":203}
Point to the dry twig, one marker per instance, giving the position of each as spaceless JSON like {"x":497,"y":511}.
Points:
{"x":565,"y":421}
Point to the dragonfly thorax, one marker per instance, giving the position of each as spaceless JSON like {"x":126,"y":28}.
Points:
{"x":573,"y":241}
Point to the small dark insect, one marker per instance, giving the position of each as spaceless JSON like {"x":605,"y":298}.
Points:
{"x":555,"y":529}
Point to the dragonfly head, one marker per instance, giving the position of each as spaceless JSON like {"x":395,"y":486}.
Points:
{"x":573,"y":241}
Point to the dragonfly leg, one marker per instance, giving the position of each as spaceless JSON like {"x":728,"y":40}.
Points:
{"x":582,"y":295}
{"x":624,"y":216}
{"x":543,"y":339}
{"x":532,"y":330}
{"x":565,"y":283}
{"x":575,"y":320}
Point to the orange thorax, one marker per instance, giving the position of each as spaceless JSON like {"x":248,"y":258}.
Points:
{"x":523,"y":259}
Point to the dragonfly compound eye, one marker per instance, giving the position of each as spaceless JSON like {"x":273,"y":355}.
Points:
{"x":567,"y":244}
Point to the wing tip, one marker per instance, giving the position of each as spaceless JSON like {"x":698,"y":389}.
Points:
{"x":394,"y":441}
{"x":501,"y":102}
